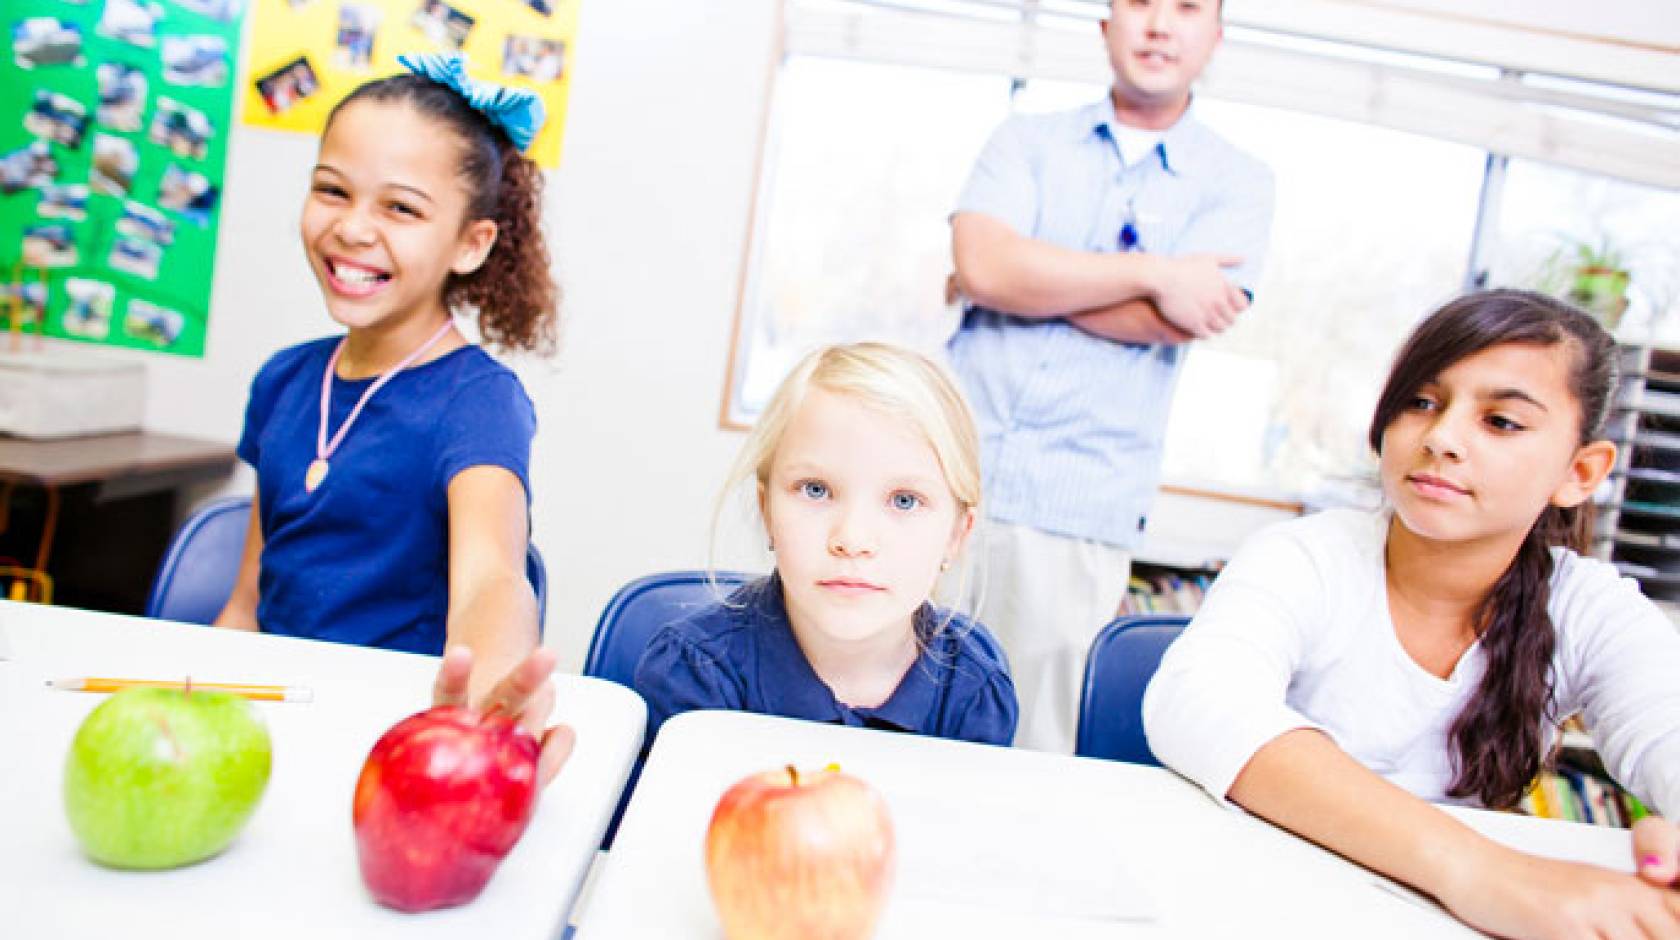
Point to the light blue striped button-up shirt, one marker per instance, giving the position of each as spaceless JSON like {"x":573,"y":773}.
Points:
{"x":1071,"y":424}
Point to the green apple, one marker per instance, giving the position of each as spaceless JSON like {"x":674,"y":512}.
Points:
{"x":159,"y":778}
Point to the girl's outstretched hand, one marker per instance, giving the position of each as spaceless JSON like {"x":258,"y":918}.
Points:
{"x":1525,"y":896}
{"x":526,"y":692}
{"x":1656,"y":851}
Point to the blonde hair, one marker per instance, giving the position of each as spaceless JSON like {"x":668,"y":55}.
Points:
{"x":895,"y":381}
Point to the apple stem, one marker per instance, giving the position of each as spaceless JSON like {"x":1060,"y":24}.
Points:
{"x":186,"y":688}
{"x":793,"y":774}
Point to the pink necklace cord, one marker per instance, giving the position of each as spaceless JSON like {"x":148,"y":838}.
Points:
{"x":323,"y":448}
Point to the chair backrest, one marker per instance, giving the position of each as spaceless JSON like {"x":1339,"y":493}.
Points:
{"x":1122,"y":660}
{"x":198,"y":571}
{"x":537,"y":573}
{"x":644,"y":605}
{"x":197,"y":574}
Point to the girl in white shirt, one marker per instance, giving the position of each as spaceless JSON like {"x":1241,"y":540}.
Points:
{"x":1349,"y":666}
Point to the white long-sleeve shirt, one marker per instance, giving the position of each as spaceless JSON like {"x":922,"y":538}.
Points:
{"x":1296,"y":633}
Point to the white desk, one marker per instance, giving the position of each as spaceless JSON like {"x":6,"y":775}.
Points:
{"x":292,"y":873}
{"x":995,"y":842}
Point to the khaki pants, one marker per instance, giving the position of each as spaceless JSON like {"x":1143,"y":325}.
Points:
{"x":1045,"y":597}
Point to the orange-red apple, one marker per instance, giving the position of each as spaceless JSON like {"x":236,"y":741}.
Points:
{"x":800,"y":855}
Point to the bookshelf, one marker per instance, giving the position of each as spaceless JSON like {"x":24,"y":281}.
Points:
{"x":1639,"y":520}
{"x":1578,"y":788}
{"x":1638,"y":530}
{"x":1165,"y":589}
{"x":1193,"y":530}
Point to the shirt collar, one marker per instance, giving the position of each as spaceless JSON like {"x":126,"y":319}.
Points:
{"x":1177,"y":150}
{"x":788,"y":685}
{"x":911,"y":705}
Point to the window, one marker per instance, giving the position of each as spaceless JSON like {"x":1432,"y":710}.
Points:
{"x":1372,"y":230}
{"x":861,"y":253}
{"x":1547,"y":211}
{"x":1380,"y":159}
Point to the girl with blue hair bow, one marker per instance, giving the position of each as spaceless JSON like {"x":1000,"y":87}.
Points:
{"x":393,"y":488}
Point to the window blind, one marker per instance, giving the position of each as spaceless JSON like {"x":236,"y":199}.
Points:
{"x":1599,"y":102}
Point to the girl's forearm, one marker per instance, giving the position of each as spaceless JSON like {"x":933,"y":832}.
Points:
{"x":498,"y":621}
{"x":1303,"y":782}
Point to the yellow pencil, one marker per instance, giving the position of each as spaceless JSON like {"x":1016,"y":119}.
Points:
{"x":261,"y":693}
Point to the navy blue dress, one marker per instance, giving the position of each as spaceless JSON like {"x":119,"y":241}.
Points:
{"x":742,"y":655}
{"x":365,"y":558}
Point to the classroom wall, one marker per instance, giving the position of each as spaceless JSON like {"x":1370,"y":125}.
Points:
{"x":648,"y":215}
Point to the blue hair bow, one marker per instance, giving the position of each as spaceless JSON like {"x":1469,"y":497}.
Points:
{"x":518,"y":112}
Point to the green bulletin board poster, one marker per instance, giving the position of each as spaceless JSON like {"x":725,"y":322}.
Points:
{"x":114,"y":122}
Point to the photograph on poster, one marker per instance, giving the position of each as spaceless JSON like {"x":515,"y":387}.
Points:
{"x":114,"y":163}
{"x":132,"y":21}
{"x":122,"y":96}
{"x":195,"y":60}
{"x":357,"y":24}
{"x":188,"y":193}
{"x":159,"y":326}
{"x":46,"y":40}
{"x":288,"y":84}
{"x":142,"y":221}
{"x":27,"y":167}
{"x":222,"y":11}
{"x":88,"y":313}
{"x":135,"y":256}
{"x":63,"y":202}
{"x":49,"y":246}
{"x":57,"y":118}
{"x":533,"y":57}
{"x":444,"y":25}
{"x":185,"y":131}
{"x":33,"y":295}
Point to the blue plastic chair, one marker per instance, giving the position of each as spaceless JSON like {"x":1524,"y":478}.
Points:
{"x":644,"y":605}
{"x":1122,"y":660}
{"x":628,"y":624}
{"x":197,"y":574}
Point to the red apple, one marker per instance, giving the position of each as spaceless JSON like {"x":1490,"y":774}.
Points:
{"x":794,"y":855}
{"x":443,"y":796}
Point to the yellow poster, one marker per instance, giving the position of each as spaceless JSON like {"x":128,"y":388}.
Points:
{"x":307,"y":54}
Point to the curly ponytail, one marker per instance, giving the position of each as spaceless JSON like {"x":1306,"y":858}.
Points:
{"x":1498,"y":740}
{"x":512,"y":293}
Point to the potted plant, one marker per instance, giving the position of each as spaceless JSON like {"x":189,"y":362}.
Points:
{"x":1592,"y":274}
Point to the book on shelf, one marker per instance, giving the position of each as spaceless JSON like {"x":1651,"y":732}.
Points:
{"x":1578,"y":788}
{"x":1572,"y":794}
{"x":1165,"y":593}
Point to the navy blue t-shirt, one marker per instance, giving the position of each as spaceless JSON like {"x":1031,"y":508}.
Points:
{"x":742,"y":655}
{"x":365,"y":558}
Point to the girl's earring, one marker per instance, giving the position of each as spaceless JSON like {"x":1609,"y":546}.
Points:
{"x":770,"y":544}
{"x":945,"y":565}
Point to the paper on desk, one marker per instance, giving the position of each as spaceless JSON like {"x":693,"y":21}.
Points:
{"x":5,"y":646}
{"x":1018,"y":858}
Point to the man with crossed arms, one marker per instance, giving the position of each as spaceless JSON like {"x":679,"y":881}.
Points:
{"x":1092,"y":245}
